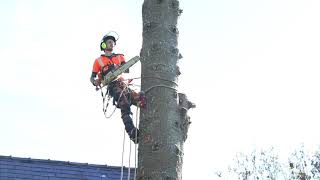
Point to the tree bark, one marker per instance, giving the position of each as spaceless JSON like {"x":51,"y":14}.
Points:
{"x":164,"y":121}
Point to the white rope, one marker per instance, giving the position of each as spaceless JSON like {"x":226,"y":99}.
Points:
{"x":105,"y":106}
{"x":129,"y":161}
{"x":128,"y":79}
{"x":108,"y":117}
{"x":135,"y":147}
{"x":105,"y":110}
{"x":123,"y":143}
{"x":135,"y":150}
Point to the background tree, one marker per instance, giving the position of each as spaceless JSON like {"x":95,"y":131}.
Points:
{"x":315,"y":163}
{"x":261,"y":164}
{"x":164,"y":122}
{"x":266,"y":165}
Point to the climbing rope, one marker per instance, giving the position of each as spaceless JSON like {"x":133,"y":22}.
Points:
{"x":159,"y":86}
{"x":153,"y":77}
{"x":135,"y":146}
{"x":129,"y":161}
{"x":137,"y":117}
{"x":123,"y":143}
{"x":105,"y":107}
{"x":135,"y":152}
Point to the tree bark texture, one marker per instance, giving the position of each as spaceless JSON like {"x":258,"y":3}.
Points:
{"x":164,"y":121}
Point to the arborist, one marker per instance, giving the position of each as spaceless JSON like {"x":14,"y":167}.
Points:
{"x":123,"y":96}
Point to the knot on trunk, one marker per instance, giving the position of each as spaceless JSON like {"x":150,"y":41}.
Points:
{"x":184,"y":106}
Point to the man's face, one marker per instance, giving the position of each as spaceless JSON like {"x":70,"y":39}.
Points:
{"x":110,"y":45}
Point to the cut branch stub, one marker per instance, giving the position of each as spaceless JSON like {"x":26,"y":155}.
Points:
{"x":184,"y":103}
{"x":184,"y":106}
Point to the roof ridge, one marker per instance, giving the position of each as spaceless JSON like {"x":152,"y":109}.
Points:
{"x":57,"y":162}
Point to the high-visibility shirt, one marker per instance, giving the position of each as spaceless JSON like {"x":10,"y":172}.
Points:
{"x":103,"y":60}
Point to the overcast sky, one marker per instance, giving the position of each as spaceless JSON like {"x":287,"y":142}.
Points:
{"x":251,"y":67}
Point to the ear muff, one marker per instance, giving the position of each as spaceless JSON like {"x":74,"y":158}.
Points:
{"x":103,"y":46}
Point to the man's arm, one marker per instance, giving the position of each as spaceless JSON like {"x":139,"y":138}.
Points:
{"x":92,"y":79}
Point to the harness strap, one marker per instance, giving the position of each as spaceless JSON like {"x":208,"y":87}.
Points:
{"x":100,"y":62}
{"x":118,"y":57}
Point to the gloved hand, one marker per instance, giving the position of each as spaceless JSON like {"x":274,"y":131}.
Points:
{"x":107,"y":69}
{"x":97,"y":82}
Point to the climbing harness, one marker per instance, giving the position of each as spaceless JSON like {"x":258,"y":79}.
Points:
{"x":106,"y":94}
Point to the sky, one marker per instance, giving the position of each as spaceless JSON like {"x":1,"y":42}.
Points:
{"x":251,"y":67}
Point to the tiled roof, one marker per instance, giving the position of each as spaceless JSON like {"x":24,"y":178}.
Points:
{"x":14,"y":168}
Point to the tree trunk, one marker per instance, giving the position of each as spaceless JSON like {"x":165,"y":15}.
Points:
{"x":164,"y":121}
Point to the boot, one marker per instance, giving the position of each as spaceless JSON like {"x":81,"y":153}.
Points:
{"x":142,"y":100}
{"x":134,"y":135}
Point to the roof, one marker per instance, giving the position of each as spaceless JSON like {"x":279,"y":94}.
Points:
{"x":15,"y":168}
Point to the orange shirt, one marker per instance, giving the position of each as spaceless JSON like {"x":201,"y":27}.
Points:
{"x":103,"y":60}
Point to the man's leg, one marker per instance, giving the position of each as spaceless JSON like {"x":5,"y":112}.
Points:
{"x":132,"y":131}
{"x":123,"y":103}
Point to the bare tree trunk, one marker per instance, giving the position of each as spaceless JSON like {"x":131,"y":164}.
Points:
{"x":164,"y":121}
